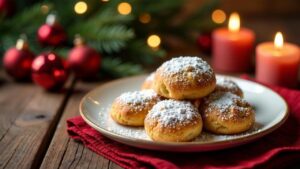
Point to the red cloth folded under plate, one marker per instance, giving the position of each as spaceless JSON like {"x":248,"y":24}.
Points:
{"x":276,"y":150}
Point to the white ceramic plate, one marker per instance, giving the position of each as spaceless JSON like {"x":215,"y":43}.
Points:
{"x":271,"y":112}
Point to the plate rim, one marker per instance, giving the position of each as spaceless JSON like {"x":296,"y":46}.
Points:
{"x":237,"y":140}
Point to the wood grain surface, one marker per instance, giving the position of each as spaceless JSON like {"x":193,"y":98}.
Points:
{"x":64,"y":152}
{"x":28,"y":119}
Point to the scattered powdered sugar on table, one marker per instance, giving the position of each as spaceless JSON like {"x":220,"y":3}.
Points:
{"x":172,"y":113}
{"x":209,"y":137}
{"x":194,"y":67}
{"x":107,"y":123}
{"x":139,"y":99}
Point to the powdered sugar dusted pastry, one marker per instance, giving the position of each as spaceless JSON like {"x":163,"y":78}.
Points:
{"x":227,"y":113}
{"x":173,"y":121}
{"x":148,"y":82}
{"x":184,"y":78}
{"x":227,"y":85}
{"x":131,"y":108}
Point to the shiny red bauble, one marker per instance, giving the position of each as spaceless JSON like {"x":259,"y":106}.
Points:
{"x":204,"y":42}
{"x":7,"y":7}
{"x":17,"y":61}
{"x":51,"y":33}
{"x":49,"y":72}
{"x":84,"y":61}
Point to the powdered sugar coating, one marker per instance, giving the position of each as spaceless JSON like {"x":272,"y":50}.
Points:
{"x":139,"y":99}
{"x":223,"y":100}
{"x":227,"y":85}
{"x":192,"y":67}
{"x":228,"y":105}
{"x":173,"y":113}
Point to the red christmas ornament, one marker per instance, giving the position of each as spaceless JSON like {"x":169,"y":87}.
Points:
{"x":51,"y":33}
{"x":7,"y":7}
{"x":204,"y":42}
{"x":48,"y":71}
{"x":17,"y":60}
{"x":83,"y":60}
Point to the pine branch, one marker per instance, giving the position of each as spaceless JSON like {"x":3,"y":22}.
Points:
{"x":106,"y":30}
{"x":161,"y":7}
{"x":199,"y":20}
{"x":62,"y":52}
{"x":27,"y":20}
{"x":108,"y":39}
{"x":100,"y":19}
{"x":108,"y":17}
{"x":115,"y":67}
{"x":139,"y":52}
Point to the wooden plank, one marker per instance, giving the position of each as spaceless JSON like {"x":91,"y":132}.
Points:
{"x":64,"y":152}
{"x":28,"y":116}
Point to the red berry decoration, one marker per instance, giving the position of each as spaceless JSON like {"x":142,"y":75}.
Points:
{"x":48,"y":71}
{"x":17,"y":60}
{"x":84,"y":60}
{"x":7,"y":7}
{"x":204,"y":42}
{"x":51,"y":33}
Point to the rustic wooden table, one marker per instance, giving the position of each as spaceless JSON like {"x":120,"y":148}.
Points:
{"x":33,"y":122}
{"x":33,"y":127}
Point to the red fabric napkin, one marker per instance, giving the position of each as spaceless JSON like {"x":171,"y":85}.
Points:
{"x":276,"y":150}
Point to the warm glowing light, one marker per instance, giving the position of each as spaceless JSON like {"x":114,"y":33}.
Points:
{"x":153,"y":41}
{"x":124,"y":8}
{"x":278,"y":40}
{"x":44,"y":9}
{"x":80,"y":7}
{"x":51,"y":57}
{"x":145,"y":18}
{"x":21,"y":44}
{"x":234,"y":22}
{"x":218,"y":16}
{"x":51,"y":19}
{"x":105,"y":0}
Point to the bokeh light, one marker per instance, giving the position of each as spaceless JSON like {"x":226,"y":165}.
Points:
{"x":80,"y":7}
{"x":124,"y":8}
{"x":153,"y":41}
{"x":145,"y":18}
{"x":45,"y":9}
{"x":218,"y":16}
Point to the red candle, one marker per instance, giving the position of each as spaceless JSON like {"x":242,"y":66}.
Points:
{"x":232,"y":47}
{"x":278,"y":63}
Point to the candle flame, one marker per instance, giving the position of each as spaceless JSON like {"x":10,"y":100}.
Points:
{"x":278,"y":41}
{"x":234,"y":22}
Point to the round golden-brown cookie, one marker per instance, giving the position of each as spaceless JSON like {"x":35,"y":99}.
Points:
{"x":173,"y":121}
{"x":227,"y":85}
{"x":227,"y":113}
{"x":148,"y":82}
{"x":131,"y":108}
{"x":184,"y":78}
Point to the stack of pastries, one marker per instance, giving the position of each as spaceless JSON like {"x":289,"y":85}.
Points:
{"x":180,"y":98}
